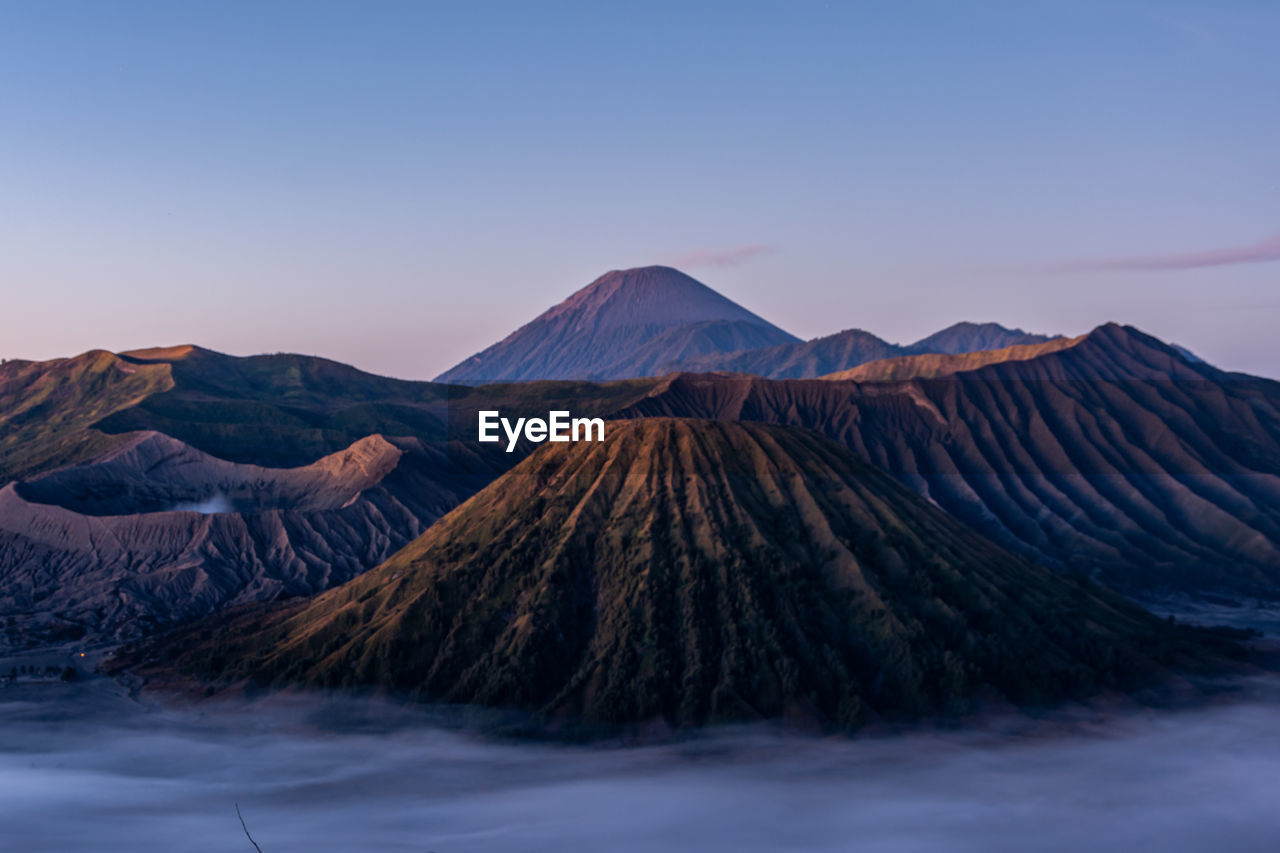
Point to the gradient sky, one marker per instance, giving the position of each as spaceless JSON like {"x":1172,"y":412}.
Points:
{"x":397,"y":185}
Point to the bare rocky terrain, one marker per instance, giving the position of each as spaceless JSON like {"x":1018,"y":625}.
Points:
{"x":155,"y":532}
{"x":1114,"y":456}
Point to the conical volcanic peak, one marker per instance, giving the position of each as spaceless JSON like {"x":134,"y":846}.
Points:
{"x":614,"y":328}
{"x":657,"y":296}
{"x":696,"y":572}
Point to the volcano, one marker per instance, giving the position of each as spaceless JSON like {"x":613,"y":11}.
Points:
{"x":698,"y":572}
{"x":625,"y":324}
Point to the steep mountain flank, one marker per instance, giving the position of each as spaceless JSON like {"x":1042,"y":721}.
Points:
{"x":1113,"y":457}
{"x":627,"y":323}
{"x":699,"y":572}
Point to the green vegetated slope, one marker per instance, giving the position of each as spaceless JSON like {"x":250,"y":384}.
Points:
{"x":697,"y":572}
{"x":48,"y":408}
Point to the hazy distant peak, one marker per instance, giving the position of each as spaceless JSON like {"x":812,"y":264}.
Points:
{"x":648,"y":296}
{"x":626,"y":323}
{"x":966,"y":336}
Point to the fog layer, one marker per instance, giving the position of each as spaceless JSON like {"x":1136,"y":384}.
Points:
{"x":91,"y":771}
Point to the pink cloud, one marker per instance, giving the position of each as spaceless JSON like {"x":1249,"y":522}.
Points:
{"x":721,"y":257}
{"x":1252,"y":253}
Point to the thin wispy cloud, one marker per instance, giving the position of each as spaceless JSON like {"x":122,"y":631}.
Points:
{"x":721,"y":257}
{"x":1264,"y":251}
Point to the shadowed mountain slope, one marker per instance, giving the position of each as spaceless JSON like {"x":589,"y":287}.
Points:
{"x":699,"y":572}
{"x":1114,"y":457}
{"x":627,"y":323}
{"x":287,"y":410}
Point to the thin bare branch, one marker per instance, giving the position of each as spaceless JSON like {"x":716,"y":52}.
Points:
{"x":246,"y":830}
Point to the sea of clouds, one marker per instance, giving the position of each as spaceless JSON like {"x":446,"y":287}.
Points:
{"x":102,"y":773}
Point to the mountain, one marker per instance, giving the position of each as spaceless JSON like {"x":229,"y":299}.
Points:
{"x":156,"y":533}
{"x":1112,"y":457}
{"x":946,"y":364}
{"x":972,"y":337}
{"x":699,"y":572}
{"x":852,"y":348}
{"x":799,"y":360}
{"x":627,"y":323}
{"x":149,"y":488}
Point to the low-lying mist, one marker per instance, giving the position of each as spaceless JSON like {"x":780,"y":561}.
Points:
{"x":214,"y":505}
{"x":91,"y":771}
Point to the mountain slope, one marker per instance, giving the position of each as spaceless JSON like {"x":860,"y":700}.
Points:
{"x":610,"y":330}
{"x":699,"y":572}
{"x":972,"y":337}
{"x":48,"y":409}
{"x":1114,"y":457}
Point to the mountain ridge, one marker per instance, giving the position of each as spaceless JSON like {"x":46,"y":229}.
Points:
{"x":1114,"y":457}
{"x":966,"y":336}
{"x":852,"y":348}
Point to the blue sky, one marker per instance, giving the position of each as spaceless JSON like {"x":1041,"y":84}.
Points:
{"x":397,"y":185}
